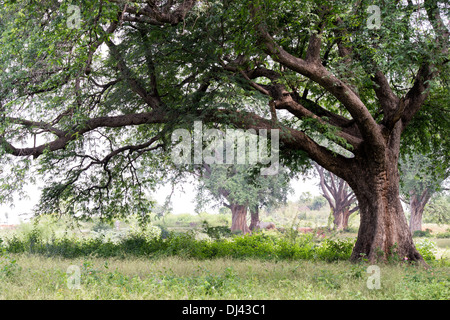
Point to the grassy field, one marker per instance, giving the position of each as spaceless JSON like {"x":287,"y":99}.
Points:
{"x":38,"y":277}
{"x":37,"y":259}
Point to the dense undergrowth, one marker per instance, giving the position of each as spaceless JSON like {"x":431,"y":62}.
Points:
{"x":210,"y":244}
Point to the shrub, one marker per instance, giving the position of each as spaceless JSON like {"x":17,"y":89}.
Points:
{"x":216,"y":232}
{"x":333,"y":250}
{"x":443,"y":235}
{"x":262,"y":245}
{"x":8,"y":265}
{"x":15,"y":245}
{"x":420,"y":233}
{"x":351,"y":229}
{"x":164,"y":234}
{"x":293,"y":251}
{"x":257,"y":245}
{"x":427,"y":249}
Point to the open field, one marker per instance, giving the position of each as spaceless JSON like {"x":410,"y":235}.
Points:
{"x":39,"y":277}
{"x":127,"y":264}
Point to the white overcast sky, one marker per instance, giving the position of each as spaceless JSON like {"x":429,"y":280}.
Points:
{"x":182,"y":201}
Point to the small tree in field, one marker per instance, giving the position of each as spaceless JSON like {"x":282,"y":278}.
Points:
{"x":317,"y":203}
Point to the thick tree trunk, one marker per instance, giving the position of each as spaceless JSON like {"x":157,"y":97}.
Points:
{"x":345,"y":216}
{"x":415,"y":221}
{"x":239,"y":218}
{"x":254,"y":218}
{"x":338,"y":219}
{"x":417,"y":205}
{"x":341,"y":216}
{"x":384,"y":231}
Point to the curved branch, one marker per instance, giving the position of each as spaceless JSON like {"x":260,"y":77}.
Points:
{"x":367,"y":125}
{"x":301,"y":112}
{"x":44,"y":126}
{"x":67,"y":136}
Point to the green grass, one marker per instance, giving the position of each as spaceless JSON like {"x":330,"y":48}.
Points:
{"x":38,"y":277}
{"x":443,"y":243}
{"x":140,"y":265}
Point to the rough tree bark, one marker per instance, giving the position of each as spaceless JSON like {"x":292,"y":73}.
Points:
{"x":417,"y":205}
{"x":254,"y":218}
{"x":239,"y":218}
{"x":341,"y":216}
{"x":383,"y":231}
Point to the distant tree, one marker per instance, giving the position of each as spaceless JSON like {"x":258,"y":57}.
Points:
{"x":317,"y":203}
{"x":339,"y":195}
{"x":160,"y":210}
{"x":241,"y":188}
{"x":305,"y":198}
{"x":420,"y":180}
{"x":224,"y":210}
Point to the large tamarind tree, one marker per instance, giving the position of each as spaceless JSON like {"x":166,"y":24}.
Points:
{"x":89,"y":97}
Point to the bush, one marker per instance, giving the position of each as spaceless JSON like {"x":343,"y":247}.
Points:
{"x":164,"y":234}
{"x":334,"y":250}
{"x":216,"y":232}
{"x":444,"y":235}
{"x":427,"y":249}
{"x":420,"y":233}
{"x":262,"y":245}
{"x":8,"y":265}
{"x":15,"y":245}
{"x":351,"y":229}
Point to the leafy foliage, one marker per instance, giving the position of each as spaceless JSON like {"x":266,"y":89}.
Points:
{"x":419,"y":175}
{"x":420,"y":233}
{"x":243,"y":185}
{"x":427,"y":249}
{"x":216,"y":232}
{"x":317,"y":203}
{"x":259,"y":245}
{"x":8,"y":265}
{"x":438,"y":210}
